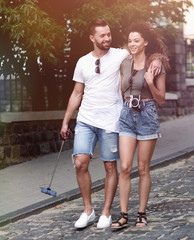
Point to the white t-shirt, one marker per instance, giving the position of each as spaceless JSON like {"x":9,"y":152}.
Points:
{"x":102,"y":100}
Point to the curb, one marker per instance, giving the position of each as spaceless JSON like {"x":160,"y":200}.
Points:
{"x":96,"y":186}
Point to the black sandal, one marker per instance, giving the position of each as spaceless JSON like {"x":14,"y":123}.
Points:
{"x":141,"y":216}
{"x":121,"y":225}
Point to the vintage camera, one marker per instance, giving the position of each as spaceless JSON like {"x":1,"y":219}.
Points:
{"x":135,"y":102}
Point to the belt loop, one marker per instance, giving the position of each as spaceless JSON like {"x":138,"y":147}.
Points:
{"x":126,"y":103}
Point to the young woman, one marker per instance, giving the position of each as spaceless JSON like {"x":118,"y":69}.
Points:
{"x":139,"y":125}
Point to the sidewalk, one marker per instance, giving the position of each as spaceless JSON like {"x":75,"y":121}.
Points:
{"x":170,"y":212}
{"x":20,"y":184}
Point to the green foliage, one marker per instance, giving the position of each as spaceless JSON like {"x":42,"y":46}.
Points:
{"x":48,"y":29}
{"x":120,"y":13}
{"x":33,"y":30}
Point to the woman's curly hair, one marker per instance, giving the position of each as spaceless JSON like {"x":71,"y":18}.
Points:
{"x":155,"y":44}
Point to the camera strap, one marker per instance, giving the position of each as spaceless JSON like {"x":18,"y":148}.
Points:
{"x":133,"y":73}
{"x":132,"y":70}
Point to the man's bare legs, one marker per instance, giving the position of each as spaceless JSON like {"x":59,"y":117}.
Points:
{"x":84,"y":180}
{"x":111,"y":182}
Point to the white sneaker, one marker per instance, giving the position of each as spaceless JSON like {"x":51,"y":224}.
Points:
{"x":84,"y":219}
{"x":104,"y":221}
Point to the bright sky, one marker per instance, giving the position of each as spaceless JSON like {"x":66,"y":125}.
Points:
{"x":189,"y":26}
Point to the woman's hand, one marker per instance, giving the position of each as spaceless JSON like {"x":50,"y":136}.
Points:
{"x":157,"y":89}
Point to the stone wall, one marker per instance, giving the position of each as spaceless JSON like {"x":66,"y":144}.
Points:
{"x":176,"y":105}
{"x":175,"y":81}
{"x":21,"y":141}
{"x":180,"y":91}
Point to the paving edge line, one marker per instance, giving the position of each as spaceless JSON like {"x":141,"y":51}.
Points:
{"x":96,"y":186}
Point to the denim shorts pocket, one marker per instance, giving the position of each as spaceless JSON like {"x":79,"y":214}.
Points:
{"x":152,"y":114}
{"x":123,"y":114}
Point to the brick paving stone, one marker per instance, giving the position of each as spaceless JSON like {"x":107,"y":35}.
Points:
{"x":170,"y":212}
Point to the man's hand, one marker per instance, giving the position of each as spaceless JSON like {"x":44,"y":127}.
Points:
{"x":65,"y":131}
{"x":149,"y":76}
{"x":155,"y":66}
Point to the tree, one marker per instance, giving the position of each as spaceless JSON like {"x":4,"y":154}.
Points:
{"x":121,"y":13}
{"x":34,"y":36}
{"x":47,"y":29}
{"x":163,"y":14}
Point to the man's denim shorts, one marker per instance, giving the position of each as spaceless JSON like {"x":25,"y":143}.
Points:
{"x":86,"y":137}
{"x":141,"y":125}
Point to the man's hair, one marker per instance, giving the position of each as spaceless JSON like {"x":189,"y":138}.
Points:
{"x":96,"y":23}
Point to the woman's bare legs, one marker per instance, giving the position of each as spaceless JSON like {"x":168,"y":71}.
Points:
{"x":127,"y":147}
{"x":145,"y":152}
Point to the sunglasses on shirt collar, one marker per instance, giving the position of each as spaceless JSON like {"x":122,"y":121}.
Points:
{"x":97,"y":63}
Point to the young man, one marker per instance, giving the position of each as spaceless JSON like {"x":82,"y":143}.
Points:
{"x":97,"y":89}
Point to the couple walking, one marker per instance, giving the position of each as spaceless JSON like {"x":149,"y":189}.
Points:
{"x":116,"y":98}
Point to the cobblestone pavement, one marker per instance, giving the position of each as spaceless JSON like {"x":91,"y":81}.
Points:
{"x":170,"y":212}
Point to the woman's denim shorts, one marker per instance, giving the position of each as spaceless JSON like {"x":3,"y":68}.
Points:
{"x":142,"y":124}
{"x":86,"y":137}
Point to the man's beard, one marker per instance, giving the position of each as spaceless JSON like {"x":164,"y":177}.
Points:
{"x":102,"y":46}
